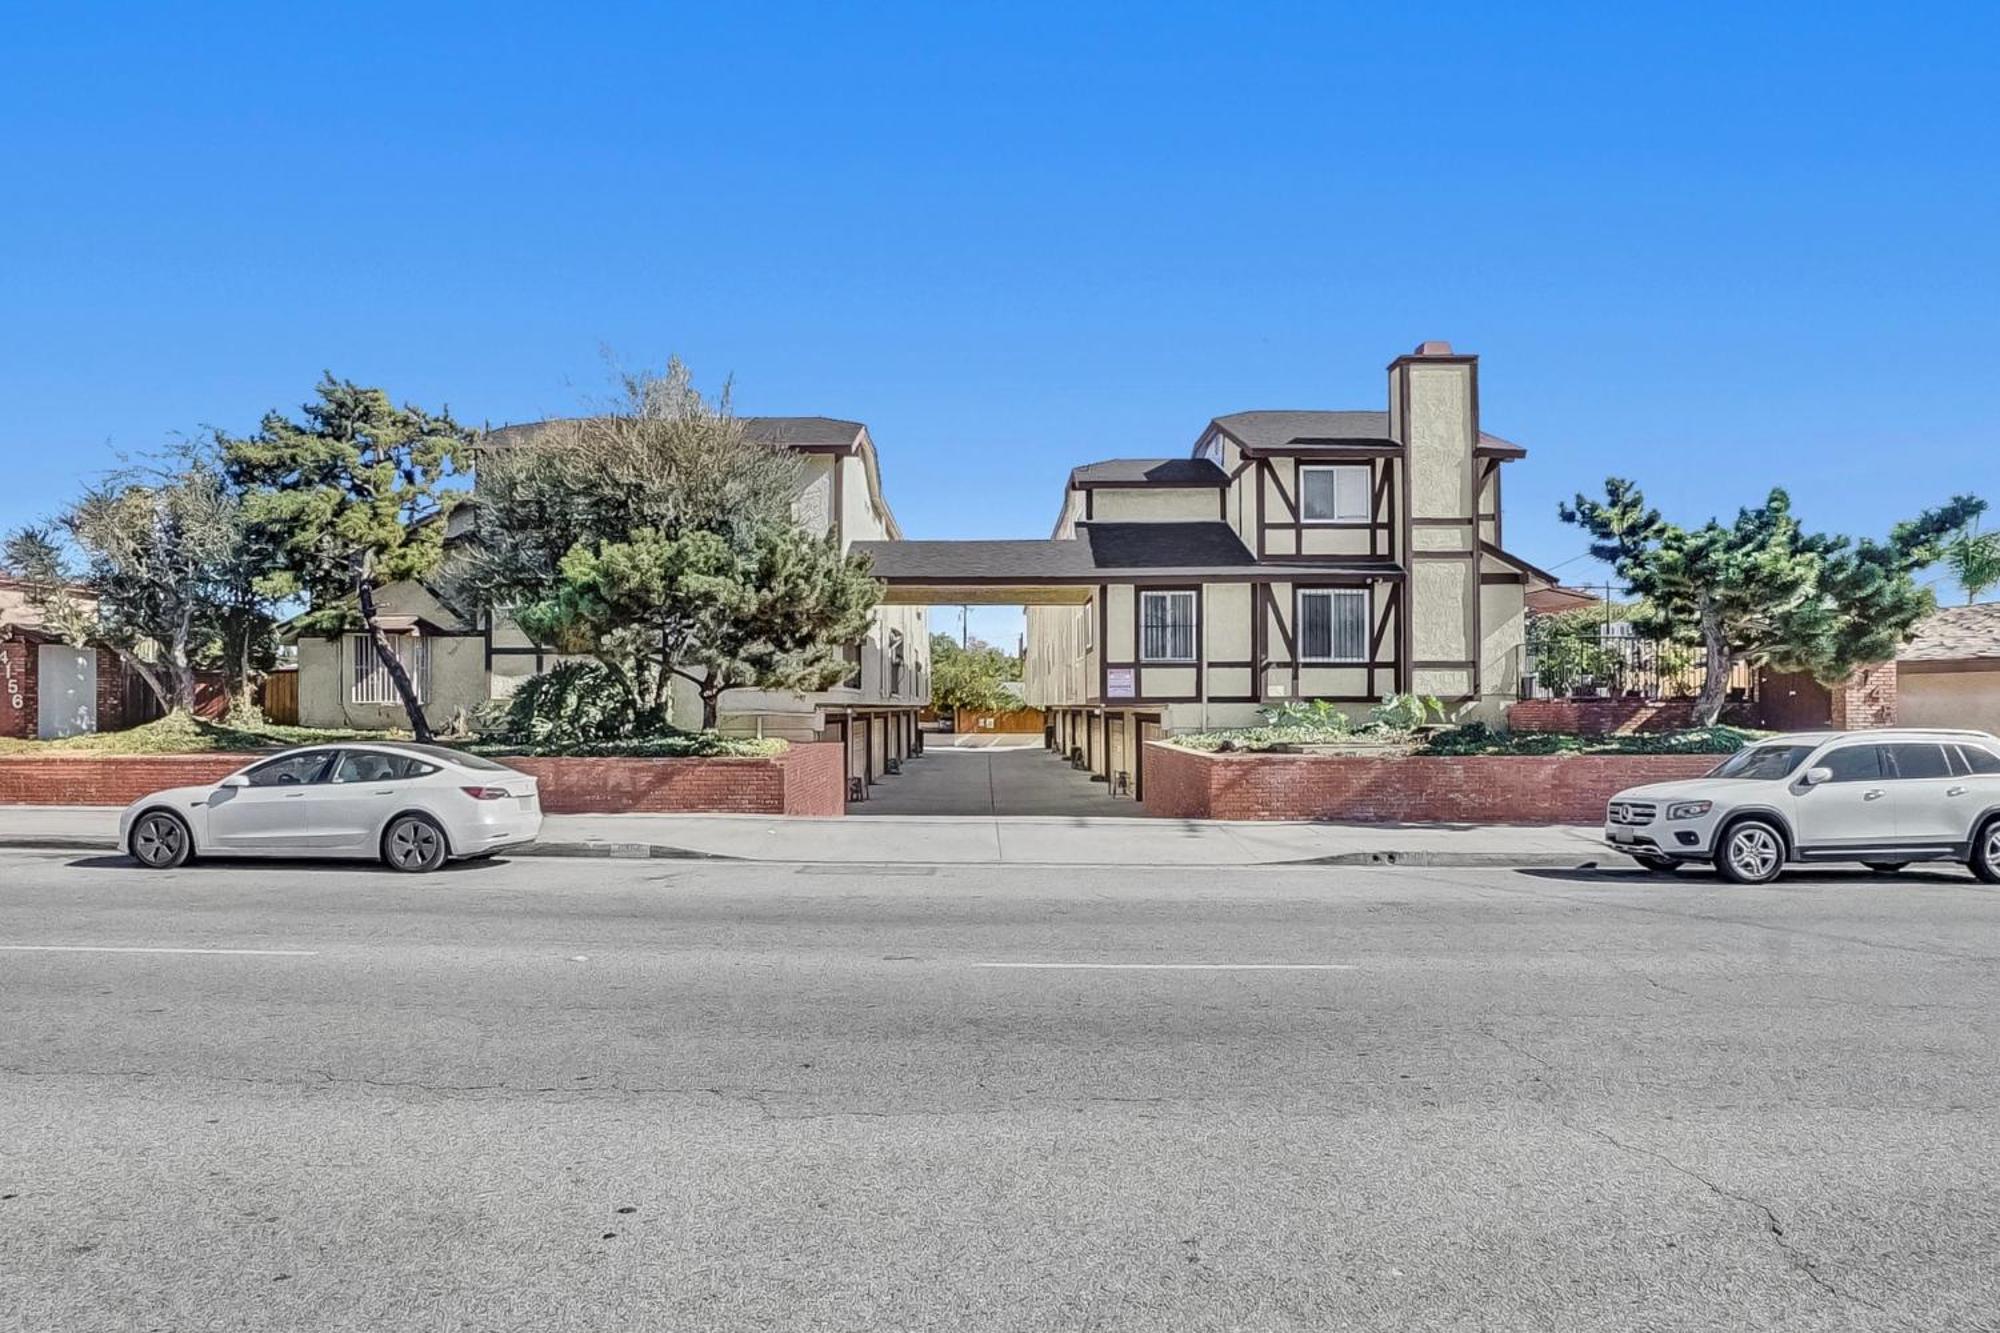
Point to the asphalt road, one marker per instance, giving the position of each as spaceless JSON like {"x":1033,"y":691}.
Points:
{"x":558,"y":1095}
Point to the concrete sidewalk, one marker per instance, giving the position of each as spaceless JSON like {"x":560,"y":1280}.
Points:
{"x":964,"y":840}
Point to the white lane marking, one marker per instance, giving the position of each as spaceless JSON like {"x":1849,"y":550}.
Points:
{"x":131,"y":948}
{"x":1177,"y":967}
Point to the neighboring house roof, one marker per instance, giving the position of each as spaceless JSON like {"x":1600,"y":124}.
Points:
{"x":1956,"y":634}
{"x":1149,"y":471}
{"x":1331,"y":430}
{"x":805,"y":432}
{"x":1556,"y":598}
{"x":1099,"y":552}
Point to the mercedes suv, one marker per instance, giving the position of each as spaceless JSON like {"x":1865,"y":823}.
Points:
{"x":1883,"y":798}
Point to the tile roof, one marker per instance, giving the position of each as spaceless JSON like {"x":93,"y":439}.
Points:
{"x":1956,"y":633}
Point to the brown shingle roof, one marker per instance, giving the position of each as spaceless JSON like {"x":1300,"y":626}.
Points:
{"x":1956,"y":633}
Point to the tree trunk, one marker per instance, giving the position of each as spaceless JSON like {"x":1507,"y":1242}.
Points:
{"x":710,"y":707}
{"x":1716,"y":665}
{"x":180,"y":670}
{"x":364,"y":588}
{"x":146,"y":673}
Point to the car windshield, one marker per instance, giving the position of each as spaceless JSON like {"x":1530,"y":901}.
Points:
{"x":1764,"y":762}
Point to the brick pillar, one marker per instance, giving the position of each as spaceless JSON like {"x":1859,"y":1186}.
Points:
{"x":1866,"y":699}
{"x":17,"y":689}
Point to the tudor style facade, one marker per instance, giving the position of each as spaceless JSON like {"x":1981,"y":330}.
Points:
{"x":462,"y":657}
{"x":1336,"y":555}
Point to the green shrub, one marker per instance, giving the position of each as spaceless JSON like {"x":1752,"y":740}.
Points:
{"x":677,"y":745}
{"x":1478,"y":738}
{"x":573,"y":703}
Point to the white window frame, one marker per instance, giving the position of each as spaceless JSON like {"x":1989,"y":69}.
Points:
{"x":1364,"y":513}
{"x":369,"y":682}
{"x":1333,"y":595}
{"x":1194,"y":626}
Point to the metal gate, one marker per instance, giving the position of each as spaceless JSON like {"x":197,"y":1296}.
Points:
{"x":66,"y":686}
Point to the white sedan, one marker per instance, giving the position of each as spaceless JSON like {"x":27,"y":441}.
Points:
{"x":413,"y":806}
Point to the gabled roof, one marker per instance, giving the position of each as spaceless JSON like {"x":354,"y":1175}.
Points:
{"x":1149,"y":471}
{"x":1956,"y":634}
{"x":1332,"y":431}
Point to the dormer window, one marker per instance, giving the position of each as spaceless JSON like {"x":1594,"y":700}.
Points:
{"x":1335,"y":493}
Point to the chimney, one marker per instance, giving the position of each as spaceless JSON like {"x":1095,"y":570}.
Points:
{"x":1434,"y":415}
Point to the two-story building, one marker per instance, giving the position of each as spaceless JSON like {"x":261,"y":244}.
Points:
{"x":462,"y":657}
{"x":1337,"y":555}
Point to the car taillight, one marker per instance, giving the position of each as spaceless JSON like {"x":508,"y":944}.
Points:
{"x":487,"y":793}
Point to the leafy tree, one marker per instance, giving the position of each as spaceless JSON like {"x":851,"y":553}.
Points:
{"x":1761,"y":589}
{"x":971,"y":676}
{"x":1974,"y":560}
{"x":163,"y":548}
{"x":768,"y":608}
{"x":658,"y":538}
{"x":348,"y":498}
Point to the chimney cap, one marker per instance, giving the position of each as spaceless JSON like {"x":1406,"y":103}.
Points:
{"x":1432,"y":347}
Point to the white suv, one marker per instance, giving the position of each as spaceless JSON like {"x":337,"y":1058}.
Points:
{"x":1883,"y":798}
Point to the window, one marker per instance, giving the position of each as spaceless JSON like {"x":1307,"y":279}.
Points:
{"x":895,"y":662}
{"x":1979,"y":760}
{"x":1854,"y":763}
{"x":464,"y":759}
{"x":1166,"y":627}
{"x":1333,"y":625}
{"x":851,"y":654}
{"x":291,"y":770}
{"x":375,"y":766}
{"x":1918,"y":761}
{"x":1334,"y":494}
{"x":371,"y":681}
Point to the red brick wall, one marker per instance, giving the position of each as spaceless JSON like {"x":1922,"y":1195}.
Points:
{"x":100,"y":780}
{"x":805,"y":780}
{"x":1601,"y":717}
{"x":1866,"y":699}
{"x":808,"y":779}
{"x":1479,"y":789}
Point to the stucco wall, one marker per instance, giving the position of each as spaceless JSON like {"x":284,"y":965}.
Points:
{"x":1154,"y":504}
{"x":458,"y":681}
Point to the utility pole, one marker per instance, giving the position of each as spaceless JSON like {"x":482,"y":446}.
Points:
{"x":964,"y":635}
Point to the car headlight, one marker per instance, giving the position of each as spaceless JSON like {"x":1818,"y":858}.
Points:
{"x":1689,"y":809}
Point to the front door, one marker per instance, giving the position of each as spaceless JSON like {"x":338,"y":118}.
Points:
{"x":277,"y":811}
{"x":66,"y":685}
{"x":1852,"y":809}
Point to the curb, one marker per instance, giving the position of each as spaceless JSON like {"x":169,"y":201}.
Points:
{"x":654,"y":851}
{"x":633,"y":851}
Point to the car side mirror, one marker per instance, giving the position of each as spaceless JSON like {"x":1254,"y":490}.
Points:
{"x":1815,"y":776}
{"x":234,"y":780}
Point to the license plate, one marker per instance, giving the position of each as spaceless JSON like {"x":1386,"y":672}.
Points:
{"x":1623,"y":835}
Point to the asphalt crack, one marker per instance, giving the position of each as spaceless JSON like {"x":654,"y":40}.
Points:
{"x":1772,"y":1225}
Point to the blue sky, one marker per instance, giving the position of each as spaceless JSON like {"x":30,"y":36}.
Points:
{"x":1713,"y":248}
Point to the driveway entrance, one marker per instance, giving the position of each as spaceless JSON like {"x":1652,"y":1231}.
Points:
{"x":964,"y":780}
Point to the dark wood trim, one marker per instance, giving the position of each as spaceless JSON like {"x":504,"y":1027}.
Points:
{"x":1400,"y":410}
{"x":1478,"y":642}
{"x":1960,"y":666}
{"x":1143,"y":485}
{"x":1495,"y":580}
{"x":1442,"y":522}
{"x":1445,"y":666}
{"x":1331,"y":449}
{"x":1089,"y":505}
{"x":1263,"y":549}
{"x":1104,"y":644}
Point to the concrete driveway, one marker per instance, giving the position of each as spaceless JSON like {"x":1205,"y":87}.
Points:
{"x":982,"y":780}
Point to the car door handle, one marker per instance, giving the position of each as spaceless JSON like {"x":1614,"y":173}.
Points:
{"x":384,"y":791}
{"x":1872,"y":795}
{"x":1954,"y":791}
{"x":293,"y":795}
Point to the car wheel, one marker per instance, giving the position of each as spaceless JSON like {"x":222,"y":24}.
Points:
{"x":1752,"y":852}
{"x":414,"y":843}
{"x":1885,"y":867}
{"x":1986,"y":852}
{"x":160,"y":841}
{"x":1658,"y":865}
